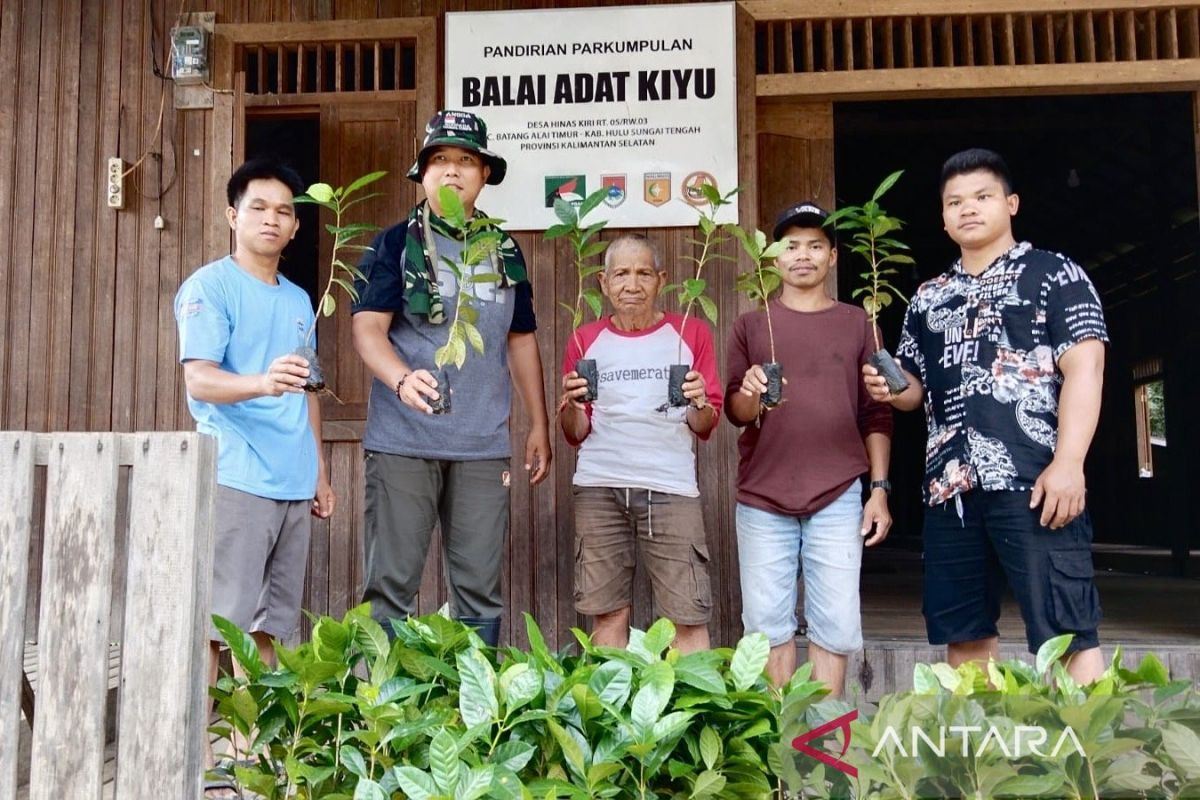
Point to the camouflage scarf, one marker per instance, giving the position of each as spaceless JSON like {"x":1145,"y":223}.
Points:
{"x":421,"y":295}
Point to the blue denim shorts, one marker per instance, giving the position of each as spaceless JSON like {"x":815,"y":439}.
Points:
{"x":996,"y":543}
{"x":830,"y":543}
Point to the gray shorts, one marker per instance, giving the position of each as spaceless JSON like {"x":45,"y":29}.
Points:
{"x":260,"y":555}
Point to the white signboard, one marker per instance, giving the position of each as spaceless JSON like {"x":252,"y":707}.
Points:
{"x":636,"y":99}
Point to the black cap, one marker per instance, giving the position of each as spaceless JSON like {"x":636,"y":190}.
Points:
{"x":804,"y":215}
{"x":458,"y":129}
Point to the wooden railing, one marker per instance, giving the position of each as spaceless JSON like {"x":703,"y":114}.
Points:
{"x":831,"y":39}
{"x":164,"y":558}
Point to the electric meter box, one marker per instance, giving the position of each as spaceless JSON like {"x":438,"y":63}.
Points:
{"x":190,"y":50}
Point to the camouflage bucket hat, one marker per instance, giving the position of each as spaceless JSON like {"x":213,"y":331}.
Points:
{"x":458,"y":129}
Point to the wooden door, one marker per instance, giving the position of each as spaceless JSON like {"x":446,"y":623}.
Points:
{"x":795,"y":148}
{"x":357,"y":138}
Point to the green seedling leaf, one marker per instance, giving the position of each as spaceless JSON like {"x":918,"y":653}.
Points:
{"x":443,"y":761}
{"x":697,"y":671}
{"x":571,"y":751}
{"x":708,"y":783}
{"x":519,"y":685}
{"x":477,"y":699}
{"x":595,"y":301}
{"x":365,"y":180}
{"x":321,"y":192}
{"x":558,"y":231}
{"x":452,"y":207}
{"x":1152,"y":671}
{"x":593,"y":200}
{"x":415,"y":783}
{"x":1051,"y":651}
{"x":513,"y":755}
{"x":368,"y":789}
{"x":749,"y":660}
{"x":710,"y":747}
{"x":612,"y":682}
{"x":566,"y":213}
{"x":887,"y":183}
{"x":659,"y":636}
{"x":657,"y":682}
{"x":474,"y":337}
{"x":241,"y":646}
{"x":1183,"y":746}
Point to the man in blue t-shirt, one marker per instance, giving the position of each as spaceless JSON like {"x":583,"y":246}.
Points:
{"x":423,"y":468}
{"x":1005,"y":350}
{"x":239,"y":323}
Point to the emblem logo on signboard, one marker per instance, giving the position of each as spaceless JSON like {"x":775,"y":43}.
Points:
{"x":572,"y":188}
{"x":615,"y":184}
{"x":658,"y":188}
{"x":692,"y":193}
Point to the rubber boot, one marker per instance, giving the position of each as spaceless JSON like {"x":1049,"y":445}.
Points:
{"x":488,"y":628}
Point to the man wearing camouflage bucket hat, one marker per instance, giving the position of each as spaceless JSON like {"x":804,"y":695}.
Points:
{"x":423,"y":468}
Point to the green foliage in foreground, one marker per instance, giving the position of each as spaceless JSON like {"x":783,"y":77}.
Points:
{"x":431,"y":713}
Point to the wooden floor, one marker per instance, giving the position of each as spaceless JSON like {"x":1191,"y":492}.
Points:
{"x":1142,"y":613}
{"x":1137,"y":608}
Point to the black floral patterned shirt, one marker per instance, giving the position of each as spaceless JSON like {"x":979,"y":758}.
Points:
{"x":986,"y":348}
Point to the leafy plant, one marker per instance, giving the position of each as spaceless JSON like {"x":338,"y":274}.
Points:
{"x":693,"y":290}
{"x":586,"y":247}
{"x":763,"y":278}
{"x":1129,"y":734}
{"x":341,"y":273}
{"x":432,"y":713}
{"x":872,"y":239}
{"x":480,"y":240}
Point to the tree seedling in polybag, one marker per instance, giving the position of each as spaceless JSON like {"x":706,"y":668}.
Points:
{"x":341,"y":273}
{"x":481,"y":239}
{"x":872,"y":230}
{"x":587,"y":247}
{"x":758,"y":283}
{"x":693,"y":291}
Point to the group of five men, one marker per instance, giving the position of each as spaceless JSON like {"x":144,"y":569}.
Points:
{"x":1010,"y":417}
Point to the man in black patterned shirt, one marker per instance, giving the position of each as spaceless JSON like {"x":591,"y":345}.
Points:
{"x":1006,"y":351}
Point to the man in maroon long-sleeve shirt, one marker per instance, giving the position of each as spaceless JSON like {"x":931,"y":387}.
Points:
{"x":799,"y":494}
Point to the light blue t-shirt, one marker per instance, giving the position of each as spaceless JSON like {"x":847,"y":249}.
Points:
{"x":227,"y":316}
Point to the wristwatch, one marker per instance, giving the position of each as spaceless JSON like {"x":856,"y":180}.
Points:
{"x":883,"y":484}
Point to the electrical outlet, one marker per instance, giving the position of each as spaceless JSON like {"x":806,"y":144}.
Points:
{"x":116,"y":183}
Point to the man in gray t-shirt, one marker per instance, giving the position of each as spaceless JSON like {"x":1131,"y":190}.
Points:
{"x":422,"y":467}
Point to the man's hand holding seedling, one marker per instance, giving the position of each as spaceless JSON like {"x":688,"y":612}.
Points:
{"x":415,"y":387}
{"x":574,"y":388}
{"x":285,"y":374}
{"x":877,"y":388}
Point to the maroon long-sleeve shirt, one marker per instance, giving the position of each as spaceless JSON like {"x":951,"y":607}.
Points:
{"x":806,"y":452}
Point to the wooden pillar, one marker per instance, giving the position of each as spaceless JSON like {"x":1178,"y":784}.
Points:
{"x":1180,"y":383}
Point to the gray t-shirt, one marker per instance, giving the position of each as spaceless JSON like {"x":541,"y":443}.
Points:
{"x":477,"y":427}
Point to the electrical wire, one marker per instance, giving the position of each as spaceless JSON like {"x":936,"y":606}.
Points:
{"x":162,"y":103}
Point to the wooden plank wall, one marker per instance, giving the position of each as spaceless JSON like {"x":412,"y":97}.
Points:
{"x":87,"y":337}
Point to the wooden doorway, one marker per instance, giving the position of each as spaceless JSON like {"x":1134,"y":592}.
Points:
{"x":363,"y":89}
{"x":813,"y":57}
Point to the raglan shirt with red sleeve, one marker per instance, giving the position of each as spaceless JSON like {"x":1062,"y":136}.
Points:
{"x":631,"y":443}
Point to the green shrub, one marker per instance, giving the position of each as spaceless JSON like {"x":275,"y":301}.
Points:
{"x":432,"y":713}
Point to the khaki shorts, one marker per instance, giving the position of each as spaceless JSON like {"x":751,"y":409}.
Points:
{"x":260,"y":555}
{"x":617,"y":528}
